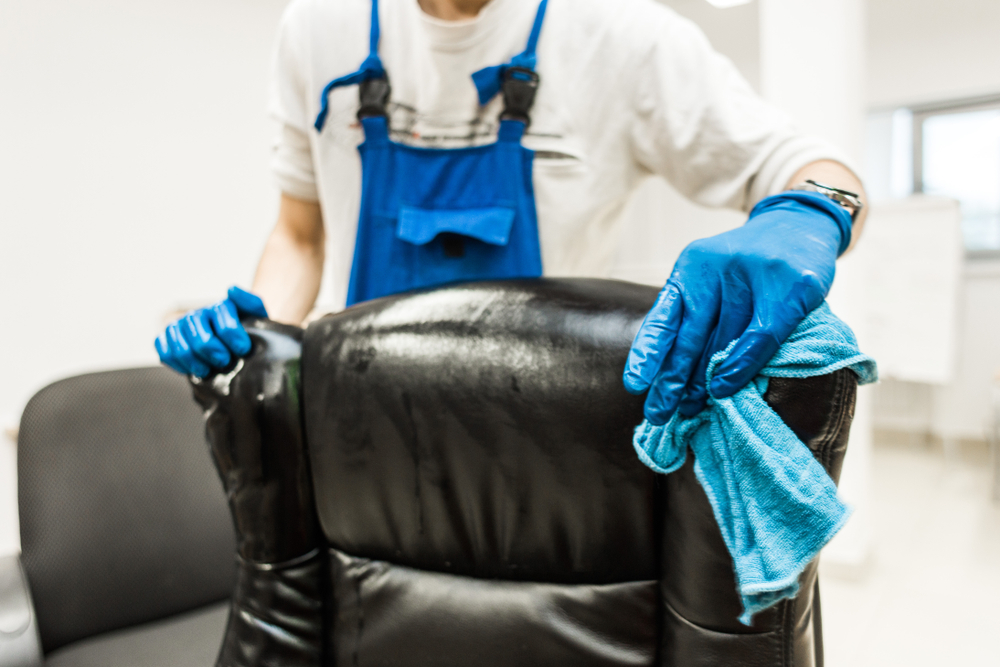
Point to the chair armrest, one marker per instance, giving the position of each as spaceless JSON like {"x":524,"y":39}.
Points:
{"x":20,"y":645}
{"x":253,"y":421}
{"x":699,"y":585}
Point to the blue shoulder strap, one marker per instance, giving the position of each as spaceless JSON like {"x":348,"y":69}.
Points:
{"x":371,"y":68}
{"x":489,"y":79}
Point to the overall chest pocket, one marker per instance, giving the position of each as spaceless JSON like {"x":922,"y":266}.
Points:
{"x":436,"y":246}
{"x":420,"y":226}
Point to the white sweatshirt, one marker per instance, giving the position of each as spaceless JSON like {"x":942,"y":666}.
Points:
{"x":627,"y":88}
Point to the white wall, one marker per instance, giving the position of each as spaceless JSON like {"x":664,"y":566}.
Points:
{"x":134,"y":150}
{"x":932,"y":50}
{"x":732,"y":32}
{"x":962,"y":408}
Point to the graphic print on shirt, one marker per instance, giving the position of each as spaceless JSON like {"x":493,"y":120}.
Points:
{"x":407,"y":125}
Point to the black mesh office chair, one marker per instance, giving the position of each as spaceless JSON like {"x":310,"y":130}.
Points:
{"x":127,"y":544}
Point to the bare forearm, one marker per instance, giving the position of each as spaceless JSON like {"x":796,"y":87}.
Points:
{"x":833,"y":173}
{"x":291,"y":266}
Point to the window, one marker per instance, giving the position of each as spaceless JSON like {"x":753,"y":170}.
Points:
{"x":950,"y":150}
{"x":956,"y":153}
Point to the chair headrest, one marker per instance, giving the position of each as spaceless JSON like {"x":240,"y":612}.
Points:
{"x":483,"y":429}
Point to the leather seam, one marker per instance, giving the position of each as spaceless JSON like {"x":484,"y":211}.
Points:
{"x":490,"y":578}
{"x":835,"y":425}
{"x":284,"y":565}
{"x":830,"y":428}
{"x":842,"y":391}
{"x":669,"y":607}
{"x":847,"y":384}
{"x":785,"y":633}
{"x":360,"y":626}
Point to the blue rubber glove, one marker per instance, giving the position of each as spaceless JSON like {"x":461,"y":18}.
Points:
{"x":206,"y":339}
{"x":754,"y":283}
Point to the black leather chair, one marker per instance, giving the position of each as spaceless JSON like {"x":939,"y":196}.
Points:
{"x":127,"y":542}
{"x":447,"y":478}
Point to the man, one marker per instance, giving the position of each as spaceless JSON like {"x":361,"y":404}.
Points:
{"x":502,"y":138}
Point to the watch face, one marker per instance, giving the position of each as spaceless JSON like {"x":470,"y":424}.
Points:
{"x":851,"y":201}
{"x":847,"y":193}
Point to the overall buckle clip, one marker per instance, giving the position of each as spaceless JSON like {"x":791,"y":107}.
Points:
{"x":519,"y":87}
{"x":374,"y":95}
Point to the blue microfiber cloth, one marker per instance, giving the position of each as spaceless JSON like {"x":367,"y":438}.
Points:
{"x":775,"y":504}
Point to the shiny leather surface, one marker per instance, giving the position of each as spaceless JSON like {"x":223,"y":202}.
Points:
{"x":483,"y":430}
{"x":254,"y":426}
{"x":276,"y":614}
{"x":387,"y":614}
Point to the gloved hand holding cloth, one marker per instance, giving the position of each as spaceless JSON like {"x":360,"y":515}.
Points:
{"x":739,"y":308}
{"x":775,"y":504}
{"x":753,"y":284}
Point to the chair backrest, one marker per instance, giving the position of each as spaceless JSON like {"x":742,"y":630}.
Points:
{"x":123,"y":519}
{"x":478,"y":495}
{"x":473,"y":470}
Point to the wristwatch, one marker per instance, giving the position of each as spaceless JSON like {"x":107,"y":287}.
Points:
{"x":849,"y":200}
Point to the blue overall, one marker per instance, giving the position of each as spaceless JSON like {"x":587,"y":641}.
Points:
{"x":431,"y":216}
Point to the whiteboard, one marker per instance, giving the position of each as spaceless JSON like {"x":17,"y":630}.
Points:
{"x":912,"y":252}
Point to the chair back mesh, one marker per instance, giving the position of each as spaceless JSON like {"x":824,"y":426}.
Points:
{"x":123,"y":518}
